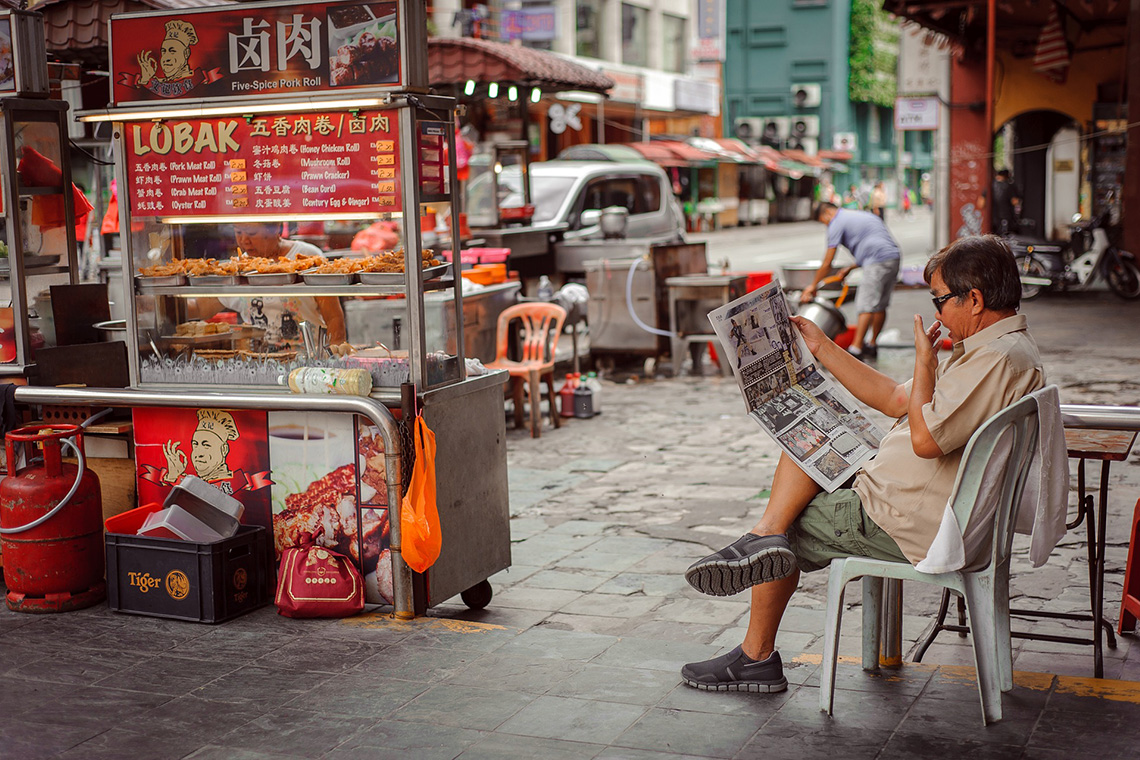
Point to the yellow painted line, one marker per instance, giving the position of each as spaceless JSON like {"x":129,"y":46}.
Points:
{"x":381,"y":620}
{"x":1100,"y":688}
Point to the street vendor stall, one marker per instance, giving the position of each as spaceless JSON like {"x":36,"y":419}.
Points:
{"x":229,"y":125}
{"x":37,"y":235}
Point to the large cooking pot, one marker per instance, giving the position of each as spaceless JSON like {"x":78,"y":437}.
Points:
{"x":112,"y":330}
{"x":825,"y":316}
{"x":799,"y":276}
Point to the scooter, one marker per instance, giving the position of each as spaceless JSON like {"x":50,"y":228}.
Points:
{"x":1077,"y":265}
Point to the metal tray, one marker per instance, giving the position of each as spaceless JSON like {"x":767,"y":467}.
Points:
{"x":210,"y":280}
{"x":236,"y":332}
{"x":160,"y":282}
{"x":329,"y":278}
{"x":397,"y":278}
{"x":270,"y":278}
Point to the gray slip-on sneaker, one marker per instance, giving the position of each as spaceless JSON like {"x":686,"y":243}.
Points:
{"x":737,"y":671}
{"x":747,"y":561}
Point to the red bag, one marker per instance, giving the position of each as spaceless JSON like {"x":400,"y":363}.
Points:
{"x":419,"y":519}
{"x":316,"y":582}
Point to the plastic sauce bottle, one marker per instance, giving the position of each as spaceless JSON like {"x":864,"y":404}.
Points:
{"x":595,"y":386}
{"x":345,"y":382}
{"x":566,"y":398}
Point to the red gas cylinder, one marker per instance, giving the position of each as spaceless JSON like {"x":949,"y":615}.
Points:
{"x":59,"y":564}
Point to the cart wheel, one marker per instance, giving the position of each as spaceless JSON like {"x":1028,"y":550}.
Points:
{"x":478,"y":596}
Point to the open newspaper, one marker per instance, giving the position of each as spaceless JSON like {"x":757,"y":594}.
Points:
{"x":812,"y":417}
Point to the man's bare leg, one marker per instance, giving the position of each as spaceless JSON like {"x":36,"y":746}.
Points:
{"x":878,"y":319}
{"x":768,"y":603}
{"x":861,"y":327}
{"x":792,"y":490}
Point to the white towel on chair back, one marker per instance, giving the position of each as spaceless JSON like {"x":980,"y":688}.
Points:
{"x":1040,"y":513}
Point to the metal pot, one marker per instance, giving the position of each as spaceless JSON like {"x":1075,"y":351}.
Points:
{"x":825,"y":316}
{"x":614,"y":221}
{"x":799,"y":276}
{"x":112,"y":330}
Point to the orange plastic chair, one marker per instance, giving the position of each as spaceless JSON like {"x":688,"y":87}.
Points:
{"x":540,"y":325}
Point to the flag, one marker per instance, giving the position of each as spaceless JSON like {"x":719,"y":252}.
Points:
{"x":1051,"y":58}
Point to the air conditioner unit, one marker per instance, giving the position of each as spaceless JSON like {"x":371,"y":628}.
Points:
{"x":848,"y":142}
{"x":777,"y":127}
{"x":806,"y":95}
{"x":748,"y":128}
{"x":805,"y":126}
{"x":809,"y":145}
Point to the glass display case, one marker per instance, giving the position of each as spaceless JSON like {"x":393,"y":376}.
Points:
{"x":37,"y":238}
{"x":226,"y":289}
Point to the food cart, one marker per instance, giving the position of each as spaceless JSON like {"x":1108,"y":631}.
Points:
{"x":36,"y":196}
{"x":268,"y":114}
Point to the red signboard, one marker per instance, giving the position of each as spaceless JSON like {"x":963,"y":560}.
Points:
{"x":250,"y":50}
{"x":314,"y":163}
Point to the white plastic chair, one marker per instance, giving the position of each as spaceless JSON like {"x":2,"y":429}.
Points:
{"x":985,"y":584}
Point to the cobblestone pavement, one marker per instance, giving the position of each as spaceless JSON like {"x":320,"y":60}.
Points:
{"x":577,"y":655}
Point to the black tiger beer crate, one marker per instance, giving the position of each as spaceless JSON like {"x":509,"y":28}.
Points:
{"x":184,"y":580}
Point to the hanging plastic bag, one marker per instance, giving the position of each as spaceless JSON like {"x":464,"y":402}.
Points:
{"x":420,"y":536}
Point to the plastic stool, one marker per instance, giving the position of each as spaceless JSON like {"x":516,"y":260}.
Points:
{"x":1130,"y":602}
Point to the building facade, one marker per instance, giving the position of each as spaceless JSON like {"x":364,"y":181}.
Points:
{"x":644,"y":46}
{"x":820,"y":76}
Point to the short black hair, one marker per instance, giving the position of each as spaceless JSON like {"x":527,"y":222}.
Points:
{"x":820,"y":207}
{"x":1004,"y":173}
{"x":984,"y":262}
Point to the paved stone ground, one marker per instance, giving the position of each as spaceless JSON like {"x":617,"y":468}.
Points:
{"x":578,"y":654}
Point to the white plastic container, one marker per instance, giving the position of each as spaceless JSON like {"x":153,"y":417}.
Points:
{"x":175,"y":522}
{"x":214,"y":508}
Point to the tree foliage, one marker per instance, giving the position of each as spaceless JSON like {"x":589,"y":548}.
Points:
{"x":873,"y":54}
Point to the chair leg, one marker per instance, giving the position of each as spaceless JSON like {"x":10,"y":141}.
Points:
{"x":834,"y":620}
{"x":534,"y":398}
{"x":517,"y":398}
{"x":939,"y":625}
{"x":980,"y":601}
{"x":872,"y":617}
{"x":555,"y":417}
{"x":1001,"y":627}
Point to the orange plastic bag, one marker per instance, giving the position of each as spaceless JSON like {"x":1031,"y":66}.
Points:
{"x":420,"y":536}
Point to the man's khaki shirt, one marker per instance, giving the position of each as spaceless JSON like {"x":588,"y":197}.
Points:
{"x":905,"y":494}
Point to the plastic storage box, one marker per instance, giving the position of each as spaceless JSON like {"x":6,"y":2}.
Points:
{"x":184,"y":580}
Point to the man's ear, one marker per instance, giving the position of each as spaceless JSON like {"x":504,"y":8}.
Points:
{"x":977,"y":301}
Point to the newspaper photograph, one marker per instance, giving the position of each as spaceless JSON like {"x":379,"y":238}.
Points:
{"x":813,"y":418}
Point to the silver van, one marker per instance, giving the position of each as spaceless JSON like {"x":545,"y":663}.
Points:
{"x":569,"y":196}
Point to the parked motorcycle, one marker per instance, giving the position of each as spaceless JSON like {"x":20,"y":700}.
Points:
{"x":1078,"y":264}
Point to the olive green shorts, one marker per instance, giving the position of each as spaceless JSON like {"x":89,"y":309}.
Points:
{"x":835,"y":525}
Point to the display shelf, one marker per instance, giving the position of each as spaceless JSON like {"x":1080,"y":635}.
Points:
{"x":57,"y":269}
{"x":30,"y":191}
{"x":297,"y":289}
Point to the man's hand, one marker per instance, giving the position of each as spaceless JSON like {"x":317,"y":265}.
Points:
{"x":807,"y":294}
{"x":813,"y":336}
{"x":926,"y":343}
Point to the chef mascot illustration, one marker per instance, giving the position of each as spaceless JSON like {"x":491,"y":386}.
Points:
{"x":177,"y":76}
{"x":209,"y":449}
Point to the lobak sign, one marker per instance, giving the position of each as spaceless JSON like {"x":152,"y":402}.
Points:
{"x":263,"y":49}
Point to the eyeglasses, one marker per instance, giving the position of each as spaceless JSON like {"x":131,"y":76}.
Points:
{"x":939,"y":300}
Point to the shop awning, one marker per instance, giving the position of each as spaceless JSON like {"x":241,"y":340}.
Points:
{"x":454,"y":60}
{"x":79,"y":26}
{"x":738,"y":149}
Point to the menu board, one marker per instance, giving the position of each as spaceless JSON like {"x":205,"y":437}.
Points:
{"x":259,"y":49}
{"x":316,"y":164}
{"x":7,"y":60}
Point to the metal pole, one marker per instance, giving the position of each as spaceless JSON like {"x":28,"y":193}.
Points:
{"x":890,"y":648}
{"x":991,"y":24}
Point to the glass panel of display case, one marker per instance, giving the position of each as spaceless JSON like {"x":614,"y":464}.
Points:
{"x":244,"y":303}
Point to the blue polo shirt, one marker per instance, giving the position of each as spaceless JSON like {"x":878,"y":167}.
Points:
{"x":864,"y":234}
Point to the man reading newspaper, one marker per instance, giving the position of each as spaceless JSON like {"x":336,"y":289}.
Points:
{"x":892,"y":507}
